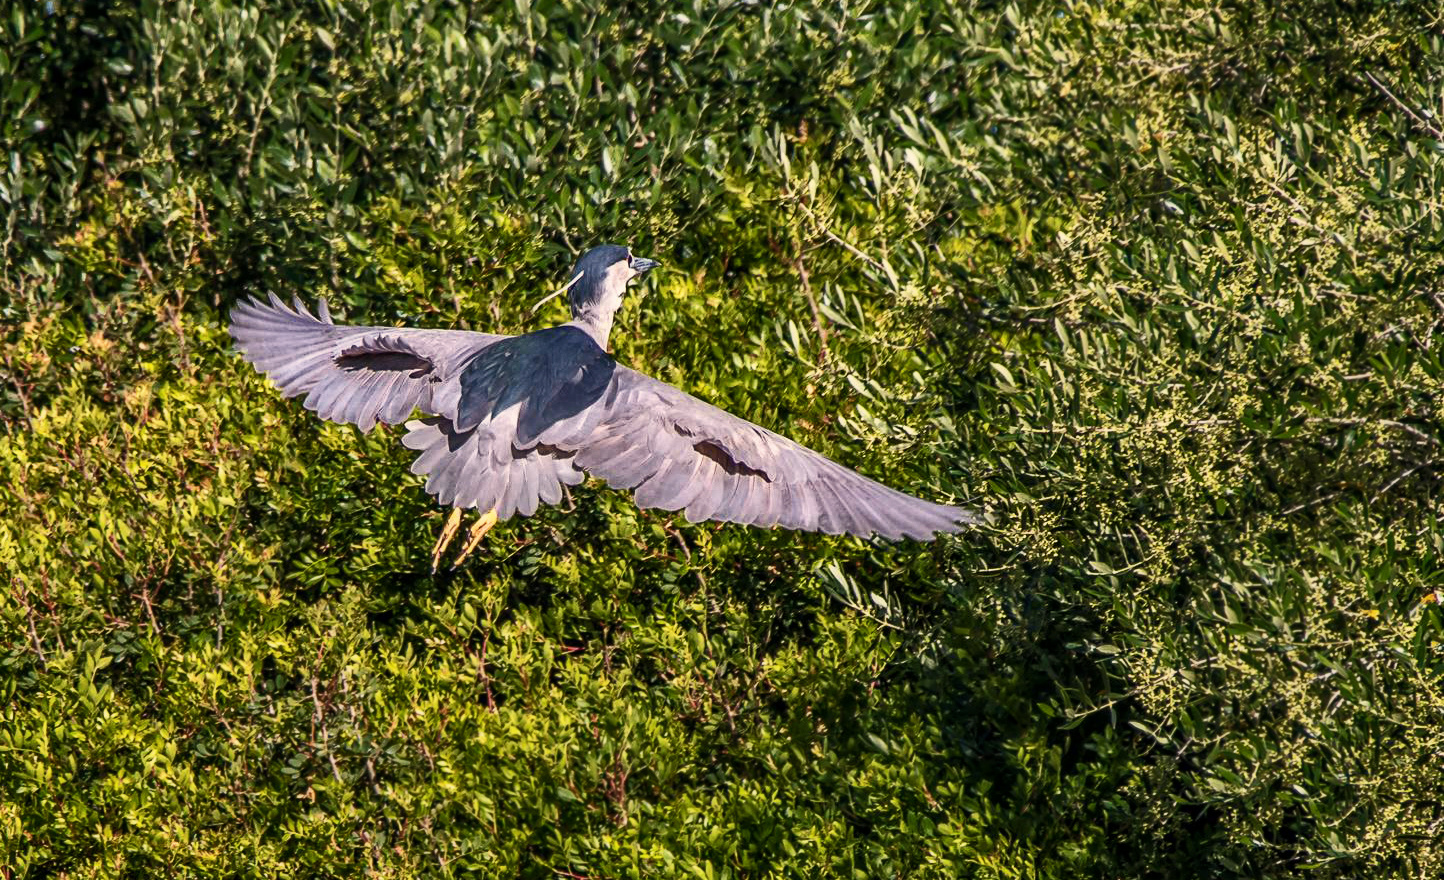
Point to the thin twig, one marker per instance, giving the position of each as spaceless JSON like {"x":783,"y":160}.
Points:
{"x":1403,"y":475}
{"x":880,"y":265}
{"x":1314,"y":503}
{"x":261,"y":107}
{"x":1418,"y":120}
{"x":30,"y":622}
{"x":823,"y":355}
{"x":149,"y":611}
{"x":481,"y":668}
{"x":325,"y":731}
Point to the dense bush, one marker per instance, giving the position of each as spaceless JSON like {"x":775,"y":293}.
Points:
{"x":1156,"y":284}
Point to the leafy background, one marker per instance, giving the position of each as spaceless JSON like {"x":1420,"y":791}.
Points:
{"x":1157,"y":284}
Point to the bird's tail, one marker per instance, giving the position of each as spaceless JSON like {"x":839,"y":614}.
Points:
{"x":479,"y":468}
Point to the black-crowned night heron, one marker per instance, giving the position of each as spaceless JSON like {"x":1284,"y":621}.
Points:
{"x":513,"y":419}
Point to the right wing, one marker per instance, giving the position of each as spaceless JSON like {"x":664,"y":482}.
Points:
{"x":355,"y":375}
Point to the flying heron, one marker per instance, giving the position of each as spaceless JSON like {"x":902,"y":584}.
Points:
{"x":513,"y":419}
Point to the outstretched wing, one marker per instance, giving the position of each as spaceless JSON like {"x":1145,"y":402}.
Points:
{"x":678,"y":453}
{"x":355,"y":375}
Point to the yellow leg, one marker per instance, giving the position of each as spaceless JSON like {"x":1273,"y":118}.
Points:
{"x":478,"y":531}
{"x":448,"y":531}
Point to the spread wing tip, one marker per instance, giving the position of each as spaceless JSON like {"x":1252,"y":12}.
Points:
{"x":942,"y":520}
{"x":253,"y":321}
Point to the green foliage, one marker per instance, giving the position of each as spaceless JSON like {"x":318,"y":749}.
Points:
{"x":1157,"y":285}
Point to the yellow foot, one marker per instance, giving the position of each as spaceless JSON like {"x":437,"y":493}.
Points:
{"x":478,"y":531}
{"x":448,"y":532}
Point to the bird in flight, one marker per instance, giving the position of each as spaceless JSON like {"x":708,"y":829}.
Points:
{"x":512,"y":419}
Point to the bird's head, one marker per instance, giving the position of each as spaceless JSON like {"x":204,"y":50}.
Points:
{"x":601,"y":276}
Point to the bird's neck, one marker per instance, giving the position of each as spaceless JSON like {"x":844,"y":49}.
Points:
{"x":596,"y":324}
{"x":594,"y":307}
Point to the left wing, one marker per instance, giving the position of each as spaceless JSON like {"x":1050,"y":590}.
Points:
{"x":678,"y":453}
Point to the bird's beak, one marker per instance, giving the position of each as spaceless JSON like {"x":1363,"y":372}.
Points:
{"x":641,"y":265}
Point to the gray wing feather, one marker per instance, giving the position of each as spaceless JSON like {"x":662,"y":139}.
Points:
{"x":678,"y":452}
{"x":709,"y":497}
{"x":352,"y":375}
